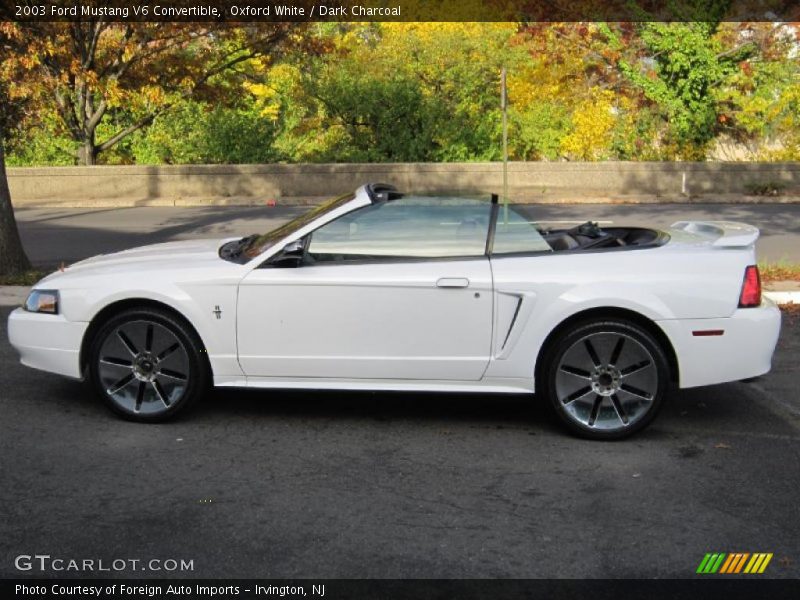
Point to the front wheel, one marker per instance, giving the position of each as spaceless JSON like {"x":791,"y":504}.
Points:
{"x":147,"y":365}
{"x":606,"y":380}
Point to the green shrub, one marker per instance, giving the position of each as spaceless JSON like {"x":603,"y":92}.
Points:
{"x":196,"y":133}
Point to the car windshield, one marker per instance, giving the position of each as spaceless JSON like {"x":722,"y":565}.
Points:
{"x":259,"y":243}
{"x":406,"y":227}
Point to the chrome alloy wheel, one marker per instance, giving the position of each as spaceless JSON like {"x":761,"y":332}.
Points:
{"x":606,"y":381}
{"x":143,"y":367}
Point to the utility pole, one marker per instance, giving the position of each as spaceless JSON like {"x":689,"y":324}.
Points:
{"x":504,"y":108}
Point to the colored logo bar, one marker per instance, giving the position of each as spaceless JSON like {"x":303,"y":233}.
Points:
{"x":735,"y":562}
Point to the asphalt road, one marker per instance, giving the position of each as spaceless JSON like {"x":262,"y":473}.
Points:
{"x":54,"y":235}
{"x":343,"y":485}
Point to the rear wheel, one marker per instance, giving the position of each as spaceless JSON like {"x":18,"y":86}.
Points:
{"x":147,"y":365}
{"x":606,"y":379}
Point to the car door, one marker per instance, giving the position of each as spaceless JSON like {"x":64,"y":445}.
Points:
{"x":396,"y":290}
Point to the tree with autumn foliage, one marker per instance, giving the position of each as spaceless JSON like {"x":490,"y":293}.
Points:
{"x":13,"y":104}
{"x":415,"y":91}
{"x":91,"y":70}
{"x":86,"y":71}
{"x":567,"y":96}
{"x":759,"y":109}
{"x":679,"y":67}
{"x":655,"y":91}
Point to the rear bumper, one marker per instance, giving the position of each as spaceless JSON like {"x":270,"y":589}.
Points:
{"x":744,"y":349}
{"x":47,"y":342}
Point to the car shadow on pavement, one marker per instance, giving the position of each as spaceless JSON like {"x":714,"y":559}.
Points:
{"x":686,"y":413}
{"x":448,"y":408}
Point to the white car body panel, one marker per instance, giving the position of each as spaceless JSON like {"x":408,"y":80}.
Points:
{"x":188,"y":277}
{"x":47,"y":344}
{"x":746,"y":346}
{"x":669,"y":289}
{"x":389,"y":326}
{"x":381,"y":321}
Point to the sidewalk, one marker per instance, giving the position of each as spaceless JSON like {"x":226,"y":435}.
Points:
{"x":13,"y":295}
{"x":783,"y":292}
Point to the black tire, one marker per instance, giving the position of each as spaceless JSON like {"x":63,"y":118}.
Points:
{"x":147,"y":365}
{"x":602,"y":388}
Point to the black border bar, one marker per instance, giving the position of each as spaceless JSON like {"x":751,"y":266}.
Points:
{"x":740,"y":587}
{"x":399,"y":10}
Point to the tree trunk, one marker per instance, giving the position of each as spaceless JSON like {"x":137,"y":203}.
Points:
{"x":13,"y":259}
{"x":88,"y":152}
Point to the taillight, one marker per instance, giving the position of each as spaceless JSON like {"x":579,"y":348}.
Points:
{"x":751,"y":288}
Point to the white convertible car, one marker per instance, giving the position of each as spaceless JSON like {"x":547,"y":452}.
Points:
{"x":380,"y":290}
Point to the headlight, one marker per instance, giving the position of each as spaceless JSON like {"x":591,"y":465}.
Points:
{"x":42,"y":301}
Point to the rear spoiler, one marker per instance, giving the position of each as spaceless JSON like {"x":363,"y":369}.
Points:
{"x":726,"y":234}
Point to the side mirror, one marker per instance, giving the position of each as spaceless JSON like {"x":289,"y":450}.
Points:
{"x":295,"y":248}
{"x":291,"y":255}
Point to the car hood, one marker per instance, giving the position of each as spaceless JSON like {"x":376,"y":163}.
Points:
{"x":170,"y":251}
{"x":155,"y":257}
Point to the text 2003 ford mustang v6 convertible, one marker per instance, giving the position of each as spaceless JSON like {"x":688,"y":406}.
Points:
{"x":385,"y":291}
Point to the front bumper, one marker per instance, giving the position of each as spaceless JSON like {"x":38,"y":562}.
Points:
{"x":744,"y":350}
{"x":47,"y":342}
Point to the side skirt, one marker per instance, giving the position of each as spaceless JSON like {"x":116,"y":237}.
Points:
{"x":497,"y":385}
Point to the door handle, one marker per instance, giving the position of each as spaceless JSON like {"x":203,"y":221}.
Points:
{"x":453,"y":282}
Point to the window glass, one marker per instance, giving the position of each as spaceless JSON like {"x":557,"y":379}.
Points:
{"x":515,"y":233}
{"x":259,"y":243}
{"x":410,"y":227}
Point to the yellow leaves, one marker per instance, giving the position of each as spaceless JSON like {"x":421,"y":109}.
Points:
{"x":428,"y":31}
{"x":146,"y":96}
{"x":281,"y":78}
{"x":128,"y":53}
{"x":259,"y":90}
{"x":283,"y":74}
{"x":29,"y":61}
{"x":592,"y":121}
{"x":525,"y":88}
{"x":114,"y":94}
{"x":271,"y":112}
{"x":48,"y":48}
{"x":267,"y":97}
{"x":351,"y":38}
{"x":154,"y":94}
{"x":431,"y":48}
{"x":261,"y":63}
{"x":540,"y":81}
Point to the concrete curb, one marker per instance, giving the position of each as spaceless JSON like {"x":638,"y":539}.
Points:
{"x":784,"y":297}
{"x":14,"y":295}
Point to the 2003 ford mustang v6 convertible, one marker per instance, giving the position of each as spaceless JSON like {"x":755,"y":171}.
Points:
{"x":381,"y":290}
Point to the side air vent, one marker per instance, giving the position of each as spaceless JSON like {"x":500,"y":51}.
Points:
{"x":513,"y":321}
